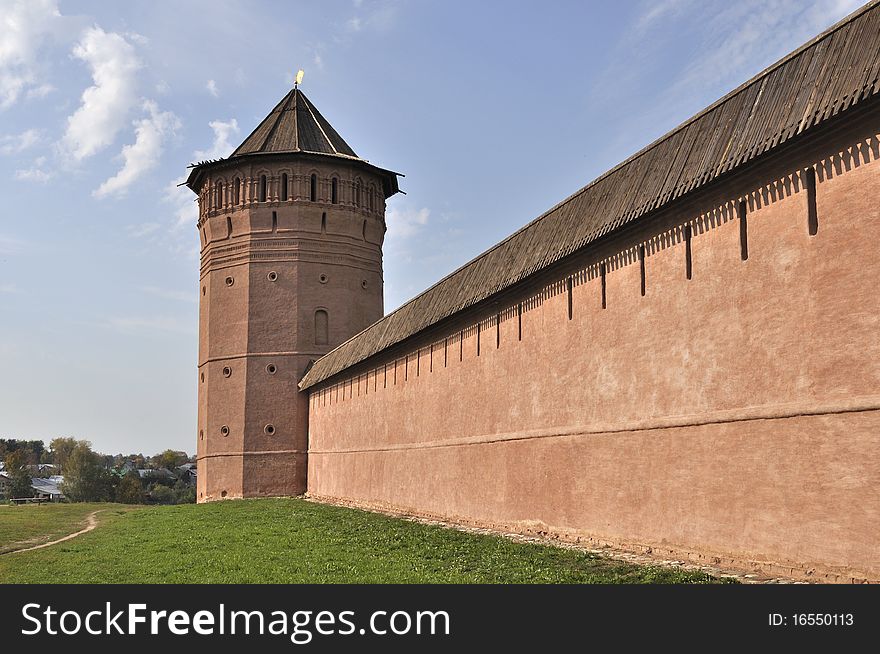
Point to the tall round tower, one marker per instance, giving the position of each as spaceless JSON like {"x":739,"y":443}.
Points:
{"x":291,"y":227}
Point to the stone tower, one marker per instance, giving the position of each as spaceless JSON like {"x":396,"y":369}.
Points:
{"x":291,"y":227}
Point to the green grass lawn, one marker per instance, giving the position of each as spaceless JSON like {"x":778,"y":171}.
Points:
{"x":294,"y":541}
{"x":32,"y":524}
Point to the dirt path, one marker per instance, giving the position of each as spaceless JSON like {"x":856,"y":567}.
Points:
{"x":91,"y":523}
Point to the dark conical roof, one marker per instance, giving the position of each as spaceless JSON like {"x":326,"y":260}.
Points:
{"x":295,"y":126}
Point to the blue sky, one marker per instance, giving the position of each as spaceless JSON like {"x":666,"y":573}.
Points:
{"x":495,"y":111}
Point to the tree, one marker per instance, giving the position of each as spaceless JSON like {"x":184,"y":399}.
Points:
{"x":32,"y":450}
{"x":62,"y":448}
{"x":130,"y":489}
{"x":162,"y":494}
{"x":184,"y":493}
{"x":19,"y":477}
{"x":169,"y":459}
{"x":85,"y":479}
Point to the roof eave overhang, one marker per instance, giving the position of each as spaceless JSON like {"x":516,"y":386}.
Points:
{"x":389,"y":177}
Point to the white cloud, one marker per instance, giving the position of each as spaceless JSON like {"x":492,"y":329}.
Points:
{"x":187,"y":210}
{"x":319,"y":63}
{"x":35,"y":173}
{"x":405,"y":223}
{"x":144,"y":153}
{"x":24,"y":24}
{"x":15,"y":143}
{"x":10,"y":289}
{"x":134,"y":37}
{"x":719,"y":44}
{"x":354,"y":24}
{"x":656,"y":11}
{"x":105,"y":105}
{"x":212,"y":88}
{"x":40,"y":91}
{"x":221,"y":147}
{"x":768,"y":29}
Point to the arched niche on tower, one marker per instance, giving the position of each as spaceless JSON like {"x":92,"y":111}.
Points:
{"x":285,"y":191}
{"x":321,"y":327}
{"x":237,"y":188}
{"x":315,"y":186}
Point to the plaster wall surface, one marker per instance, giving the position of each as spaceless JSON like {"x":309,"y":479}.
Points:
{"x":733,"y":416}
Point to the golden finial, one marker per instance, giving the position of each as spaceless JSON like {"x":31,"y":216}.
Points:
{"x":299,"y":78}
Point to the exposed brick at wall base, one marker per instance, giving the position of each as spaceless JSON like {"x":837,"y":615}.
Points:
{"x":772,"y":491}
{"x":733,"y":415}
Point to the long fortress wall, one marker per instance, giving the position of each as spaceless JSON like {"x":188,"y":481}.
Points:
{"x":722,"y":406}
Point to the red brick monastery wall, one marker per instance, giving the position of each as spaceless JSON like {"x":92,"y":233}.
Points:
{"x":733,"y":417}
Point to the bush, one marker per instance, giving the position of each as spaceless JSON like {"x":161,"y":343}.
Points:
{"x":162,"y":494}
{"x":130,"y":489}
{"x":184,"y":493}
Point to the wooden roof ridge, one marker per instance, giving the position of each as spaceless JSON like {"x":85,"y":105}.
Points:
{"x":287,"y":128}
{"x":294,"y":126}
{"x":287,"y":101}
{"x":830,"y":73}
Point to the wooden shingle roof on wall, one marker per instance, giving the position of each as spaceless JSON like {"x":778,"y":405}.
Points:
{"x":832,"y":73}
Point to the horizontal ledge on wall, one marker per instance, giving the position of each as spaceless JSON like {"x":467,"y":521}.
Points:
{"x":227,"y":357}
{"x":765,"y":412}
{"x":220,"y":455}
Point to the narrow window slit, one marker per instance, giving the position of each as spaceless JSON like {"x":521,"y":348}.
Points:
{"x":568,"y":287}
{"x":642,"y":267}
{"x":812,"y":213}
{"x":313,"y":188}
{"x":519,"y":321}
{"x":274,"y":221}
{"x":688,"y":260}
{"x":743,"y":231}
{"x":497,"y":330}
{"x":602,"y":275}
{"x":478,"y":339}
